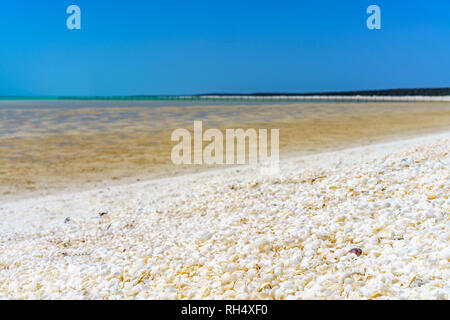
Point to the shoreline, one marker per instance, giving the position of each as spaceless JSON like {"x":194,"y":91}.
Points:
{"x":391,"y":141}
{"x":342,"y":157}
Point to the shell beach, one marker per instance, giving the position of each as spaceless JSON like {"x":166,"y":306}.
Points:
{"x":362,"y":223}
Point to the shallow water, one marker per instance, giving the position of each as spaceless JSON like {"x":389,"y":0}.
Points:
{"x":26,"y":117}
{"x":51,"y":144}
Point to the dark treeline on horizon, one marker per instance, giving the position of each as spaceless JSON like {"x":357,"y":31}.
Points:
{"x":384,"y":92}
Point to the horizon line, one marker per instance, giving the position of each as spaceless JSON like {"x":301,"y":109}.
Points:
{"x":440,"y":91}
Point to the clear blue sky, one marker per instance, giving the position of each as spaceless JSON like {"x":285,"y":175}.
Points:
{"x":190,"y":46}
